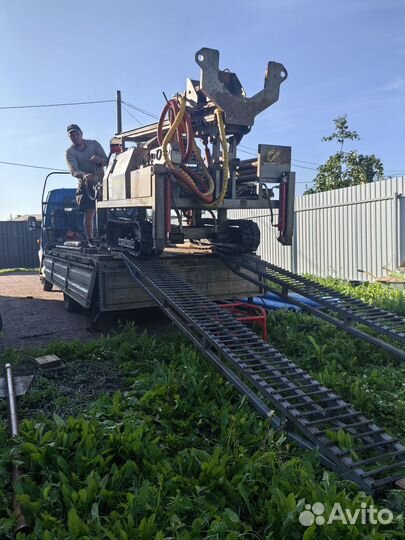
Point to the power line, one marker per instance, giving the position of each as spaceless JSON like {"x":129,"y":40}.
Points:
{"x":57,"y":104}
{"x":254,"y":152}
{"x":247,"y":151}
{"x":293,"y":162}
{"x":64,"y":170}
{"x":308,"y":162}
{"x":148,"y":113}
{"x":143,"y":111}
{"x":295,"y":165}
{"x":60,"y":170}
{"x":303,"y":166}
{"x":32,"y":166}
{"x":295,"y":159}
{"x":130,"y":114}
{"x":305,"y":182}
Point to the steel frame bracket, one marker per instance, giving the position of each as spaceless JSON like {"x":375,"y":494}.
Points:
{"x":238,"y":108}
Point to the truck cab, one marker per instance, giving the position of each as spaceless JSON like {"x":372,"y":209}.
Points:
{"x":61,"y":224}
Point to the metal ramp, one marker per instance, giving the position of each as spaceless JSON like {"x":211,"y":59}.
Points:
{"x":312,"y":415}
{"x":337,"y":308}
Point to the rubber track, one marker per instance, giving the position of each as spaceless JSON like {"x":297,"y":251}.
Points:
{"x":374,"y":460}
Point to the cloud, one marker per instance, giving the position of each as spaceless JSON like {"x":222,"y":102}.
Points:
{"x":393,"y":86}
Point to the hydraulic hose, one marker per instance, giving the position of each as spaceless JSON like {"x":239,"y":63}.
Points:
{"x":222,"y":137}
{"x":181,"y":123}
{"x":180,"y":174}
{"x":172,"y":109}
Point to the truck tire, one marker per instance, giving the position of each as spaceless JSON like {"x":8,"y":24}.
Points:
{"x":46,"y":285}
{"x":71,"y":305}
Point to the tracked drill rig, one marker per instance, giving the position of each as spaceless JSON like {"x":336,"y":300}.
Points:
{"x":174,"y":181}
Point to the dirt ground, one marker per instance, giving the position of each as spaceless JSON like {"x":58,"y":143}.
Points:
{"x":32,"y":317}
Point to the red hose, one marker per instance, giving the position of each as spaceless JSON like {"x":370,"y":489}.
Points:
{"x":193,"y":188}
{"x":189,"y":178}
{"x":199,"y":180}
{"x":171,"y":109}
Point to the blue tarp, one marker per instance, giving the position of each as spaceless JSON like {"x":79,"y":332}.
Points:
{"x":271,"y":301}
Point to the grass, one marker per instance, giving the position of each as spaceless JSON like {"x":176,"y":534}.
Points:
{"x":364,"y":375}
{"x":141,"y":438}
{"x":376,"y":294}
{"x":4,"y":271}
{"x":367,"y":377}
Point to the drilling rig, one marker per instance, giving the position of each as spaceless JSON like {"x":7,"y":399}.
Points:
{"x":174,"y":181}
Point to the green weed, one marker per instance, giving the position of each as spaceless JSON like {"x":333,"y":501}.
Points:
{"x":174,"y":454}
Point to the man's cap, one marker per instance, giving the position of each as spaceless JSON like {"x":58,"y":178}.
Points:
{"x":73,"y":127}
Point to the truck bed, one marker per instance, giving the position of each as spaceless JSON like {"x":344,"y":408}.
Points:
{"x":102,"y":277}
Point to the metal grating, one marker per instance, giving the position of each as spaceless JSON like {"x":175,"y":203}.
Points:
{"x":337,"y":308}
{"x":374,"y":459}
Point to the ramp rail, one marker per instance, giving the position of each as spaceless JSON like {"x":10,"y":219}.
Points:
{"x":312,"y":415}
{"x":336,"y":308}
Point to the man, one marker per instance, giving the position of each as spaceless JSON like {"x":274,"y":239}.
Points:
{"x":85,"y":160}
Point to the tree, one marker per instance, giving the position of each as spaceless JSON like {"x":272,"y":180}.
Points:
{"x":345,"y":169}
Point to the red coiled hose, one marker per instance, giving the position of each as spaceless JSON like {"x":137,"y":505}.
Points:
{"x":171,"y":109}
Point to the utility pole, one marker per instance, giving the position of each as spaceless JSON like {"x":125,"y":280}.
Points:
{"x":119,"y":112}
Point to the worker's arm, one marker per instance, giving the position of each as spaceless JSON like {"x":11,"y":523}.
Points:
{"x":100,"y":154}
{"x":73,"y":165}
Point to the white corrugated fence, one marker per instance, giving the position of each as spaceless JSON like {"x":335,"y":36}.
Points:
{"x":352,"y":233}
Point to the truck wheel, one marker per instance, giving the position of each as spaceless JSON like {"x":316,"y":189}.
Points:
{"x":46,"y":285}
{"x":70,"y":305}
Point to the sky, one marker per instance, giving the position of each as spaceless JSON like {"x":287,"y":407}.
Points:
{"x":342,"y":57}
